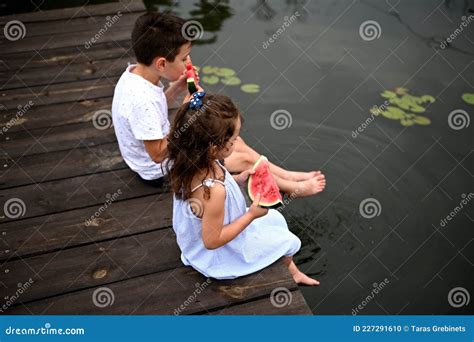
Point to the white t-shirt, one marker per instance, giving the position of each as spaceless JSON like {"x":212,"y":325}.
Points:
{"x":139,"y":112}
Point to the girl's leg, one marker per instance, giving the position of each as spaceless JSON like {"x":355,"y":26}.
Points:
{"x":298,"y":276}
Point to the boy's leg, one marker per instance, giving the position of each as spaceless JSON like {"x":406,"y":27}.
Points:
{"x":298,"y":276}
{"x":249,"y":156}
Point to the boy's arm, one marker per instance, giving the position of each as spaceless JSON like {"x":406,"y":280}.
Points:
{"x":175,"y":89}
{"x":157,"y":149}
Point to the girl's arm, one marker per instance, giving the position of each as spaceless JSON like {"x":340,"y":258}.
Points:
{"x":214,"y":233}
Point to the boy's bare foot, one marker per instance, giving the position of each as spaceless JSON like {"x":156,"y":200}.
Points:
{"x":298,"y":176}
{"x":311,"y":186}
{"x":303,"y":279}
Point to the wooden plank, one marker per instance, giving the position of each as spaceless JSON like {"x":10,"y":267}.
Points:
{"x":77,"y":12}
{"x":63,"y":56}
{"x":35,"y":29}
{"x":64,"y":73}
{"x":296,"y":306}
{"x":92,"y":265}
{"x":37,"y":168}
{"x":78,"y":192}
{"x":165,"y":293}
{"x":59,"y":138}
{"x":71,"y":39}
{"x":43,"y":234}
{"x":58,"y":93}
{"x":53,"y":115}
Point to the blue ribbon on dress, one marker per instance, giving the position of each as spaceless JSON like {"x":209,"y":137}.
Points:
{"x":195,"y":102}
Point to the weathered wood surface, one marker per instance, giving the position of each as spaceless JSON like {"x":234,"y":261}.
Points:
{"x":85,"y":223}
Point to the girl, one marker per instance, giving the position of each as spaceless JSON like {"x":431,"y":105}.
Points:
{"x":217,"y":234}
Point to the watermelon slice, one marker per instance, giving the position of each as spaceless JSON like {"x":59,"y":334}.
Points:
{"x":263,"y":182}
{"x":191,"y":78}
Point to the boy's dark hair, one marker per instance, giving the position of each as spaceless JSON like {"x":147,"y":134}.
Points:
{"x":157,"y":35}
{"x":192,"y":135}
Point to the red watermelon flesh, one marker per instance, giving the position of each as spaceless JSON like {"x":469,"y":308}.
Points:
{"x":263,"y":182}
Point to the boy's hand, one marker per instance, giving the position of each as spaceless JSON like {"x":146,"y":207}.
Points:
{"x":242,"y":177}
{"x":179,"y":85}
{"x":255,"y":210}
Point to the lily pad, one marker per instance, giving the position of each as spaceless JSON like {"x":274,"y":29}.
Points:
{"x":210,"y":79}
{"x":407,"y":122}
{"x":209,"y":69}
{"x":230,"y":81}
{"x":468,"y":98}
{"x":388,"y":94}
{"x":393,"y":113}
{"x":224,"y":72}
{"x":421,"y":120}
{"x":250,"y":88}
{"x":427,"y":98}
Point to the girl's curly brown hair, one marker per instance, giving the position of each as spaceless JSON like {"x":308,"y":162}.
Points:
{"x":192,"y":135}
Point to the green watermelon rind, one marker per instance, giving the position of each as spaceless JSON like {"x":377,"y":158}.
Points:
{"x":275,"y":204}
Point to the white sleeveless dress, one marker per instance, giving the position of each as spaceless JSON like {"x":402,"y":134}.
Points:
{"x":263,"y":242}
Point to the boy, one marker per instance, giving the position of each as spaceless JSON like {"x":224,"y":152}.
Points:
{"x":140,"y":106}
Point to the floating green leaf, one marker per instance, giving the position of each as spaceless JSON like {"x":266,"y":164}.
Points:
{"x":209,"y":69}
{"x":230,"y":81}
{"x":388,"y":94}
{"x":210,"y":79}
{"x":427,"y":98}
{"x":468,"y":98}
{"x":407,"y":122}
{"x":250,"y":88}
{"x":224,"y":72}
{"x":421,"y":120}
{"x":393,"y":113}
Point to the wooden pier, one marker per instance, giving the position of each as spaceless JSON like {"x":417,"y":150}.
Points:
{"x":79,"y":232}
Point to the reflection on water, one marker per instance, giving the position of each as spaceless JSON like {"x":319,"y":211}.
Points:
{"x":210,"y":14}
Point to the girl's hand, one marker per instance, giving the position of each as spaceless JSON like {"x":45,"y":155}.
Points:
{"x":242,"y":177}
{"x":188,"y":96}
{"x":256,"y":211}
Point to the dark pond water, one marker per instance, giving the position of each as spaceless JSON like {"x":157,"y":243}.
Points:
{"x":327,"y":77}
{"x":380,"y":229}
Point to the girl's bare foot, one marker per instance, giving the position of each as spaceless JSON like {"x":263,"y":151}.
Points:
{"x":303,"y":279}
